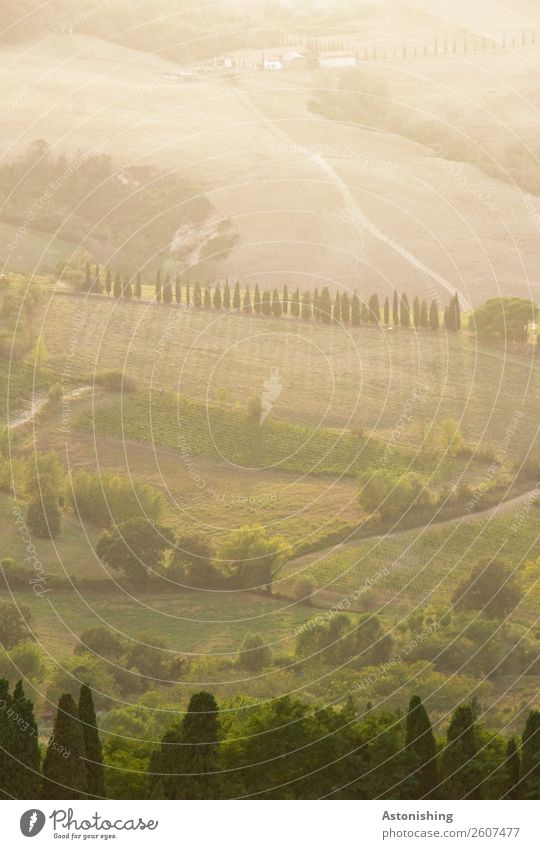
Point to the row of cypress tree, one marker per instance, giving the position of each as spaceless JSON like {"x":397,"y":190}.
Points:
{"x":192,"y":763}
{"x":73,"y":764}
{"x":343,"y":308}
{"x":189,"y":765}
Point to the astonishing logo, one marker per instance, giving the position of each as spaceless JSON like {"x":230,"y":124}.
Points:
{"x":32,"y":822}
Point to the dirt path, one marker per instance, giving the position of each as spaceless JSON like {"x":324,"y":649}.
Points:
{"x":508,"y":506}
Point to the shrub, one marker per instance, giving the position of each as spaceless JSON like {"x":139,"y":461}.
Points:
{"x":115,"y":381}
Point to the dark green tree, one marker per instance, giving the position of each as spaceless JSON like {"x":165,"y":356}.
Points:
{"x":405,"y":312}
{"x":345,"y":308}
{"x":355,"y":310}
{"x":325,"y":306}
{"x":227,"y":296}
{"x":246,"y":303}
{"x":127,"y":292}
{"x":188,"y":294}
{"x":217,"y":299}
{"x":512,"y":770}
{"x":424,"y":320}
{"x":64,"y":766}
{"x":530,"y":757}
{"x":187,"y":765}
{"x":207,"y":297}
{"x":395,"y":309}
{"x":20,"y":776}
{"x":257,"y":306}
{"x":434,"y":316}
{"x":197,"y":296}
{"x":420,"y":740}
{"x":117,"y":288}
{"x":336,"y":312}
{"x":277,"y":310}
{"x":374,"y":309}
{"x":177,"y":289}
{"x":364,"y":313}
{"x":236,"y":296}
{"x":458,"y":764}
{"x":316,"y":302}
{"x":295,"y":304}
{"x":285,"y":300}
{"x":266,"y":304}
{"x":386,"y":312}
{"x":108,"y":281}
{"x":490,"y":587}
{"x":136,"y":547}
{"x":95,"y":774}
{"x":306,"y":305}
{"x":416,"y":312}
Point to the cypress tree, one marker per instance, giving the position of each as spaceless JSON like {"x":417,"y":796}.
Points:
{"x":276,"y":304}
{"x":266,"y":304}
{"x":257,"y":300}
{"x":405,"y":311}
{"x":316,"y":302}
{"x":355,"y":310}
{"x":386,"y":312}
{"x":364,"y":313}
{"x":96,"y":286}
{"x":246,"y":305}
{"x":88,"y":278}
{"x":295,"y":304}
{"x":217,"y":300}
{"x":188,"y":294}
{"x":177,"y":289}
{"x":158,"y":285}
{"x":512,"y":770}
{"x":127,"y":290}
{"x":108,"y":281}
{"x":5,"y":761}
{"x":326,"y":306}
{"x":197,"y":297}
{"x":117,"y":288}
{"x":530,"y":757}
{"x":395,"y":309}
{"x":337,"y":308}
{"x":306,"y":306}
{"x":285,"y":300}
{"x":207,"y":297}
{"x":446,"y":319}
{"x":64,"y":767}
{"x":374,"y":309}
{"x":189,"y":755}
{"x":22,"y":777}
{"x":227,"y":296}
{"x":236,"y":296}
{"x":457,"y":313}
{"x":95,"y":774}
{"x":345,"y":308}
{"x":138,"y":286}
{"x":458,"y":757}
{"x":424,"y":321}
{"x":416,"y":312}
{"x":421,"y":741}
{"x":434,"y":316}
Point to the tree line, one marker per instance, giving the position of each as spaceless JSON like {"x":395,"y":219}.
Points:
{"x":282,"y":749}
{"x":341,"y":308}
